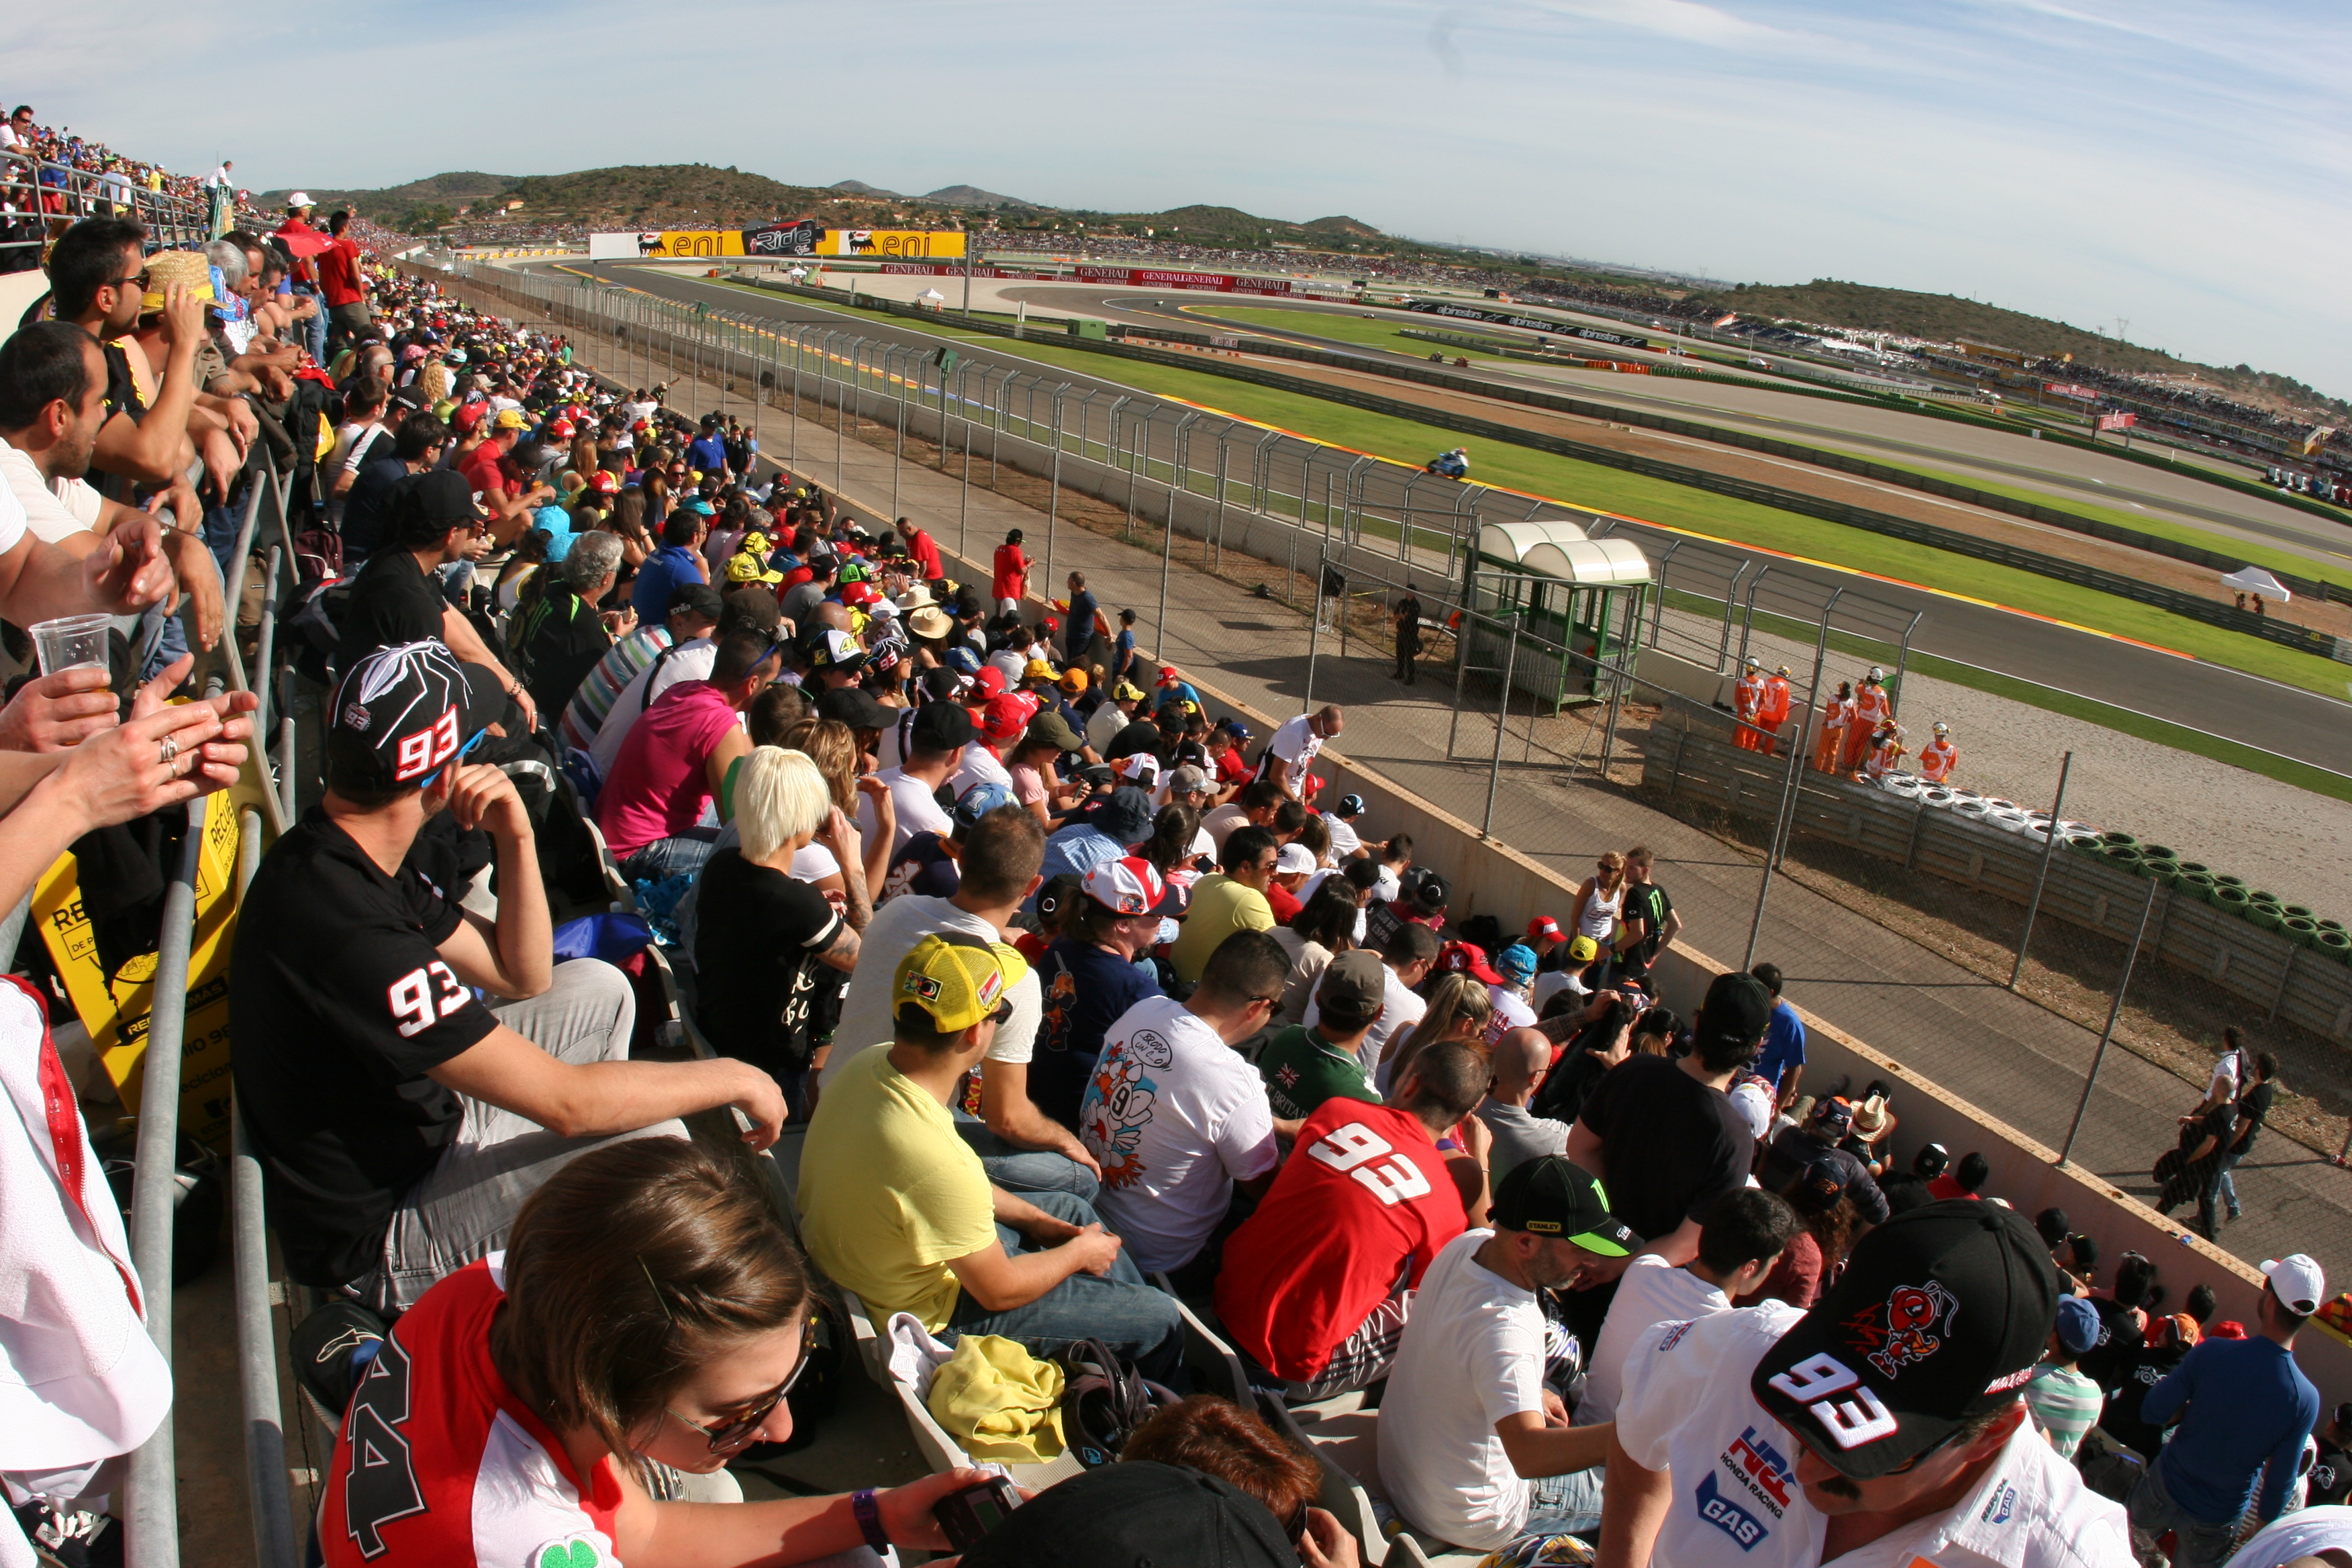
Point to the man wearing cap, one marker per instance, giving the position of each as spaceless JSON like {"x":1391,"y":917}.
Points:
{"x":1318,"y":1282}
{"x":1345,"y":843}
{"x":1176,"y":1118}
{"x":1104,"y":831}
{"x":1090,"y":975}
{"x":1883,"y":1426}
{"x":1421,"y":896}
{"x":1228,"y":901}
{"x":931,"y":863}
{"x":1821,"y":1137}
{"x":1114,"y":713}
{"x":1409,"y":957}
{"x":2240,"y":1411}
{"x":1302,"y":1066}
{"x":1663,"y":1132}
{"x":489,"y":472}
{"x":998,"y":727}
{"x":1294,"y":863}
{"x":1474,"y":1449}
{"x":2065,"y":1402}
{"x":896,"y":1207}
{"x":403,"y":1122}
{"x":1514,"y":975}
{"x":396,"y":601}
{"x":833,"y":656}
{"x":931,"y":743}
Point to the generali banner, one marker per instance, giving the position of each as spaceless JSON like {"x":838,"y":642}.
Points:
{"x":1532,"y":323}
{"x":1212,"y":282}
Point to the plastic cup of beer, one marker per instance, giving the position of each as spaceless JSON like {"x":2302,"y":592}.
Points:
{"x":72,"y":642}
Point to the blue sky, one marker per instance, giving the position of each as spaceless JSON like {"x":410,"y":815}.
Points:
{"x":2185,"y":167}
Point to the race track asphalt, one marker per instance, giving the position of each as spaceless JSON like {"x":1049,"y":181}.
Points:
{"x":2254,"y":712}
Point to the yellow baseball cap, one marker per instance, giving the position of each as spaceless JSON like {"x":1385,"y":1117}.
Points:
{"x":748,"y":568}
{"x":1583,"y":950}
{"x":511,"y":420}
{"x":953,"y":980}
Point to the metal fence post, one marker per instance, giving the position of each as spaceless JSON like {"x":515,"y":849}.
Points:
{"x":1502,"y":717}
{"x":1220,"y":525}
{"x":1784,"y":818}
{"x":2042,"y":876}
{"x":153,"y":1537}
{"x":2114,"y":1012}
{"x":1314,"y":640}
{"x":1168,"y":537}
{"x":899,"y":457}
{"x":1054,"y":498}
{"x":792,"y":337}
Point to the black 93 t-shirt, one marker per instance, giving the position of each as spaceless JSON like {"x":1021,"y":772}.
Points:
{"x":340,"y":1003}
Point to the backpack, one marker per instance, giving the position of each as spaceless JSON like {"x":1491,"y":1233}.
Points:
{"x":1103,"y":1400}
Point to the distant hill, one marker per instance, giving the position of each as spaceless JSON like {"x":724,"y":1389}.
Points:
{"x":974,"y":196}
{"x":860,"y":188}
{"x":1860,"y":307}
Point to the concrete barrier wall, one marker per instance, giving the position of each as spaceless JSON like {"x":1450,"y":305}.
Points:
{"x":2304,"y":986}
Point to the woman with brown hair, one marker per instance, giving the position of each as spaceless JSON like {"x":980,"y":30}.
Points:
{"x":647,"y":1316}
{"x":1218,"y":1437}
{"x":1812,"y":1262}
{"x":628,"y":522}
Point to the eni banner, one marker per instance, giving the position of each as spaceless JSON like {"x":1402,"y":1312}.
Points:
{"x":806,"y":237}
{"x":115,"y":1008}
{"x":893,"y":244}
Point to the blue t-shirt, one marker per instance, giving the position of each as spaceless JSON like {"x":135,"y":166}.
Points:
{"x":1784,"y":1044}
{"x":1084,"y":990}
{"x":923,"y":866}
{"x":707,"y":453}
{"x":1079,"y":848}
{"x":670,"y":567}
{"x":1079,"y":629}
{"x":2249,"y":1405}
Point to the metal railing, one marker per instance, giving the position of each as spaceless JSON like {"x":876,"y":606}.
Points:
{"x":40,"y":189}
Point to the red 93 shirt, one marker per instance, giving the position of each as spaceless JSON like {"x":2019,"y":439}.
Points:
{"x":1363,"y":1193}
{"x":341,"y":1004}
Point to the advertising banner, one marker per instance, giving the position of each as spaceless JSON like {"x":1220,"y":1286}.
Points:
{"x":800,"y":239}
{"x":911,"y":244}
{"x":2117,"y":421}
{"x":1213,"y":282}
{"x":1532,"y":323}
{"x":2067,"y":389}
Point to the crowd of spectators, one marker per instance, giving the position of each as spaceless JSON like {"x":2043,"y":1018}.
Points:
{"x":1082,"y":998}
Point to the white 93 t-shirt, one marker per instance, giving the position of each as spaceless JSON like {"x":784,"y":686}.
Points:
{"x":1687,"y":1407}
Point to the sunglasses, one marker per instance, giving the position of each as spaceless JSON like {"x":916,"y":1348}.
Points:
{"x":736,"y":1429}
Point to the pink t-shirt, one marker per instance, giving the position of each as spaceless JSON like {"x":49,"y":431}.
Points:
{"x":659,"y":783}
{"x":1028,"y":786}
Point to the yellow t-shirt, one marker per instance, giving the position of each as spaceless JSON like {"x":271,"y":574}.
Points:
{"x":1220,"y":907}
{"x":889,"y":1193}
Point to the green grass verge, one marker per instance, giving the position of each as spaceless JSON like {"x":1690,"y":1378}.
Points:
{"x":1662,"y":501}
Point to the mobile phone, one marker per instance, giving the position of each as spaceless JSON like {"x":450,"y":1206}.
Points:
{"x":968,"y":1516}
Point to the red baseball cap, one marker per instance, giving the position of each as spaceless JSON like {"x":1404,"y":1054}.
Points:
{"x":604,"y":482}
{"x":1545,"y":926}
{"x":469,"y":415}
{"x":859,"y":593}
{"x":989,"y":681}
{"x":1467,"y":958}
{"x":1004,"y":716}
{"x":1129,"y":885}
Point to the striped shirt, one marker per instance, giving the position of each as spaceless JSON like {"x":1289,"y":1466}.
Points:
{"x":584,"y":715}
{"x":2065,"y":1403}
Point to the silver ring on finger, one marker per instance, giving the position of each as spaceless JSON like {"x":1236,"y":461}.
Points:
{"x":166,"y":749}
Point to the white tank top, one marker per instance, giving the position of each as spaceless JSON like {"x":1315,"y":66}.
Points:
{"x":1599,"y":919}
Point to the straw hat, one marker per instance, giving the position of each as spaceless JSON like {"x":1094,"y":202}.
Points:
{"x":166,"y":268}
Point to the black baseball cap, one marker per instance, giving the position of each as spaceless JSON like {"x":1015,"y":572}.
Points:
{"x":1056,"y":895}
{"x":440,"y":499}
{"x":1738,"y":1009}
{"x":1552,"y":1196}
{"x":1429,"y":893}
{"x":855,"y":706}
{"x":1122,"y":1515}
{"x":402,"y":713}
{"x":1939,"y":1316}
{"x":941,"y":727}
{"x":699,"y":598}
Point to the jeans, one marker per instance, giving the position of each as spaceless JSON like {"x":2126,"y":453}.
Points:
{"x":667,"y":857}
{"x":314,"y":330}
{"x":1565,"y":1505}
{"x":2153,"y":1512}
{"x":1025,"y":1171}
{"x":1130,"y":1317}
{"x":463,"y":1208}
{"x":2220,"y":1194}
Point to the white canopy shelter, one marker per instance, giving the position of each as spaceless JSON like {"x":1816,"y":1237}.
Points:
{"x":2255,"y":580}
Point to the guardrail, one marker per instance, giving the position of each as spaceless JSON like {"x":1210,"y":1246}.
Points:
{"x":41,"y":189}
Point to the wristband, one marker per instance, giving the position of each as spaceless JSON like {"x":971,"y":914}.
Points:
{"x":869,"y":1519}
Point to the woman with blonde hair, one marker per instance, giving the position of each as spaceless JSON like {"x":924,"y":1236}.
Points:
{"x":1592,"y":924}
{"x":1458,"y":1010}
{"x":834,"y":747}
{"x":763,"y":935}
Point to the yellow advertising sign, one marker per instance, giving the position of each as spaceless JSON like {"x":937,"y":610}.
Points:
{"x":115,"y":1008}
{"x":893,"y":244}
{"x":692,"y":242}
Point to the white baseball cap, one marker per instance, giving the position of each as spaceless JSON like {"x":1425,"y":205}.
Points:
{"x":1294,"y":857}
{"x":2298,"y":1281}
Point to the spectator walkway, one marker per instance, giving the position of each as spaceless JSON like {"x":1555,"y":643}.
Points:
{"x":2020,"y":1062}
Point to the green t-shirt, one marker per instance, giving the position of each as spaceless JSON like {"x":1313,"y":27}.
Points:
{"x":1302,"y":1069}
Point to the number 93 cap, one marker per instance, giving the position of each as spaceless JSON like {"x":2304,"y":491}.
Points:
{"x":1553,"y":1197}
{"x":404,"y":712}
{"x":1939,"y":1316}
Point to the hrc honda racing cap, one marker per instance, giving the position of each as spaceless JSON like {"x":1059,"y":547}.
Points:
{"x":404,"y":712}
{"x":1939,"y":1316}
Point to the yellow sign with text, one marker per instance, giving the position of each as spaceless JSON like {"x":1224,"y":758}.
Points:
{"x":115,"y":1008}
{"x":893,"y":244}
{"x":692,"y":242}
